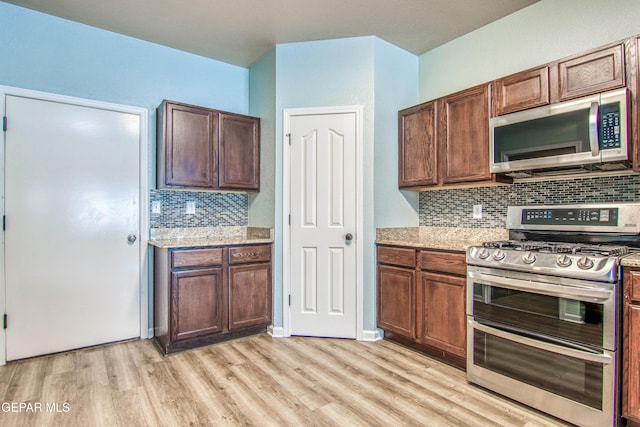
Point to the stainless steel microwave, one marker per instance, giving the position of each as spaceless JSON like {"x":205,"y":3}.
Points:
{"x":589,"y":132}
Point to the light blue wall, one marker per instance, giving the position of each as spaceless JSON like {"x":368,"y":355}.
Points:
{"x":320,"y":74}
{"x":46,"y":53}
{"x":49,"y":54}
{"x":356,"y":71}
{"x":396,"y":87}
{"x":541,"y":33}
{"x":262,"y":103}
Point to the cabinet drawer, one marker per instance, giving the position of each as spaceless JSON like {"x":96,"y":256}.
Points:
{"x":445,"y":262}
{"x":635,"y":285}
{"x":244,"y":254}
{"x":196,"y":257}
{"x":397,"y":256}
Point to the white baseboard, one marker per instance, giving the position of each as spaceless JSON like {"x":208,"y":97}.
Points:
{"x":276,"y":331}
{"x":374,"y":335}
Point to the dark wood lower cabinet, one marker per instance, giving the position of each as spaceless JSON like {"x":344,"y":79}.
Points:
{"x":196,"y":300}
{"x":421,"y":300}
{"x":631,"y":346}
{"x":210,"y":294}
{"x":249,"y":298}
{"x":443,"y":321}
{"x":396,"y":300}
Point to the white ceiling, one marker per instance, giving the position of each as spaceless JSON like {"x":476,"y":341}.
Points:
{"x":241,"y":31}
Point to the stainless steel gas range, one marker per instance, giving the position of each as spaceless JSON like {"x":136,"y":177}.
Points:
{"x":544,"y":310}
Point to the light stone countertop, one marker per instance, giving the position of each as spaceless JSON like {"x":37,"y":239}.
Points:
{"x":447,"y":238}
{"x":631,"y":260}
{"x":208,"y":236}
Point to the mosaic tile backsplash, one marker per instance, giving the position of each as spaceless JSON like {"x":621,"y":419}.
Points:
{"x":212,"y":209}
{"x":454,"y":208}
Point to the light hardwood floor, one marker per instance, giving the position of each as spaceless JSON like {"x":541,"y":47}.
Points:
{"x":255,"y":381}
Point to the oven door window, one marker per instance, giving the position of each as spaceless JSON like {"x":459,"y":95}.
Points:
{"x":563,"y":318}
{"x":576,"y":379}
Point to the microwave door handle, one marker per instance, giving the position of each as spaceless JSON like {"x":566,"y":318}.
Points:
{"x":594,"y":142}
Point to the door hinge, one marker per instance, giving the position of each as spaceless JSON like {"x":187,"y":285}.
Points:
{"x":289,"y":219}
{"x":289,"y":304}
{"x":4,"y":123}
{"x":4,"y":222}
{"x":289,"y":138}
{"x":4,"y":321}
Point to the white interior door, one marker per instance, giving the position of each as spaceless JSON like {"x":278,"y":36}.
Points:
{"x":72,"y":183}
{"x":323,"y":225}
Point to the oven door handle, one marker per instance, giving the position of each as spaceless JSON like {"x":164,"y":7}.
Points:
{"x":553,"y":348}
{"x":582,"y":294}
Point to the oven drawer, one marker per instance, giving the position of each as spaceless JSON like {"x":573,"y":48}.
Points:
{"x":575,"y":384}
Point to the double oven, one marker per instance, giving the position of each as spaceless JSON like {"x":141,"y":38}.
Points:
{"x":544,"y":309}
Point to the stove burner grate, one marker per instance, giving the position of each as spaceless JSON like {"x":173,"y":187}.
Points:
{"x":557,"y":247}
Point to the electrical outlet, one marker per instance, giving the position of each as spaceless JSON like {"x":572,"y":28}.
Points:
{"x":191,"y":208}
{"x":156,"y":207}
{"x":477,"y":211}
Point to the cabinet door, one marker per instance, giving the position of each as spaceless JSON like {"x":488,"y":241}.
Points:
{"x":196,"y":302}
{"x":631,"y":370}
{"x":521,"y":91}
{"x":594,"y":72}
{"x":631,"y":345}
{"x":417,"y":146}
{"x":396,"y":300}
{"x":189,"y":137}
{"x":239,"y":152}
{"x":249,"y":295}
{"x":442,"y":312}
{"x":463,"y":136}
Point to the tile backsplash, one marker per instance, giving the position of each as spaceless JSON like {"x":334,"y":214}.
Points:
{"x":211,"y":209}
{"x":454,"y":207}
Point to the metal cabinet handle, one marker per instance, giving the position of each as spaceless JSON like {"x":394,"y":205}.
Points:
{"x":594,"y":136}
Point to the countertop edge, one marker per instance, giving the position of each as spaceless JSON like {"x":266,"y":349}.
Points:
{"x":191,"y":243}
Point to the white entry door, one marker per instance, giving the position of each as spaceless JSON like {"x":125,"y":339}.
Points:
{"x":72,"y":188}
{"x":323,"y":225}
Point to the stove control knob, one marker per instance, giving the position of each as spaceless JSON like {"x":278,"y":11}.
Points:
{"x":563,"y":261}
{"x":585,"y":263}
{"x":483,"y":253}
{"x":498,"y":255}
{"x":529,"y":258}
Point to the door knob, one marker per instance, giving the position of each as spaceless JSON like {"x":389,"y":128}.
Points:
{"x":349,"y":237}
{"x":131,"y":238}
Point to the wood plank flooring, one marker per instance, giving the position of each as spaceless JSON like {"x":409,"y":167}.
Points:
{"x":255,"y":381}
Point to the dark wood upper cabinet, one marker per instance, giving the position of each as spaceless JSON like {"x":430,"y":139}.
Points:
{"x":239,"y":152}
{"x":598,"y":70}
{"x":417,"y":146}
{"x":463,"y":136}
{"x":201,"y":148}
{"x":593,"y":72}
{"x":187,"y":154}
{"x":521,"y":91}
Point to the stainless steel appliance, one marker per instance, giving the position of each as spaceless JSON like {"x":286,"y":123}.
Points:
{"x":543,"y":309}
{"x":583,"y":134}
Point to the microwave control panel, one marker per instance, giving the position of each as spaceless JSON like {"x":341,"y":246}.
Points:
{"x":609,"y":126}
